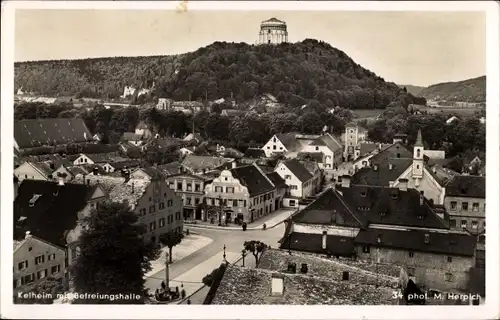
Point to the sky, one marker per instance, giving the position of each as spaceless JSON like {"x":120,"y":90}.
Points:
{"x":410,"y":48}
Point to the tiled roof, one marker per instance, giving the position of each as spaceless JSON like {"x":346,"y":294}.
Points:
{"x":277,"y":180}
{"x":170,"y":168}
{"x":311,"y":167}
{"x":328,"y":141}
{"x":74,"y":170}
{"x":466,"y":186}
{"x":43,"y":168}
{"x":322,"y":284}
{"x":298,"y":170}
{"x":251,"y":177}
{"x":391,"y":206}
{"x":193,"y":136}
{"x":316,"y":156}
{"x":162,"y":143}
{"x":198,"y":163}
{"x":91,"y":167}
{"x":254,"y":153}
{"x":54,"y":159}
{"x":53,"y":213}
{"x":414,"y":240}
{"x":131,"y":163}
{"x":307,"y":242}
{"x":382,"y":175}
{"x":289,"y":140}
{"x":327,"y":209}
{"x":129,"y":192}
{"x":31,"y":133}
{"x":233,"y":153}
{"x":105,"y":182}
{"x":131,"y":136}
{"x":109,"y":157}
{"x":155,"y":172}
{"x":392,"y":151}
{"x":366,"y":148}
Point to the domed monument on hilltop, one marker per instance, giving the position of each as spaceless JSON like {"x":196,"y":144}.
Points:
{"x":273,"y":31}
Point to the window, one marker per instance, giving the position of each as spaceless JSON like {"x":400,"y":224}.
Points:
{"x":449,"y":259}
{"x":448,"y":277}
{"x":142,"y":212}
{"x":51,"y":257}
{"x":274,"y":147}
{"x":268,"y":148}
{"x":288,"y":177}
{"x":453,"y":223}
{"x":29,"y":278}
{"x":152,"y":226}
{"x":453,"y":205}
{"x":172,"y":186}
{"x":225,"y":178}
{"x":152,"y":208}
{"x":293,"y":187}
{"x":411,"y":254}
{"x":39,"y":259}
{"x":22,"y":265}
{"x":292,"y":203}
{"x":418,"y":154}
{"x":463,"y":224}
{"x":475,"y":206}
{"x":161,"y":222}
{"x":171,"y":218}
{"x":169,"y":203}
{"x":465,"y":206}
{"x":230,"y":189}
{"x":197,"y":187}
{"x":366,"y":249}
{"x":161,"y":206}
{"x":235,"y":203}
{"x":218,"y":189}
{"x":164,"y":194}
{"x":150,"y":199}
{"x":317,"y":148}
{"x":281,"y":148}
{"x":418,"y":167}
{"x":474,"y":224}
{"x":179,"y":185}
{"x":55,"y":269}
{"x":41,"y":274}
{"x":411,"y":271}
{"x":196,"y":201}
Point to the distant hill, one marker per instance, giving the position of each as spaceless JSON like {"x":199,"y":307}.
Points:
{"x":414,"y":90}
{"x":471,"y":90}
{"x":310,"y":71}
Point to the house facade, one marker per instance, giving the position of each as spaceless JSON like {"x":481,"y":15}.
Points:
{"x":282,"y":143}
{"x":244,"y":193}
{"x":33,"y":171}
{"x":36,"y":259}
{"x":330,"y":147}
{"x":353,"y":136}
{"x":465,"y":203}
{"x":191,"y":189}
{"x":143,"y":130}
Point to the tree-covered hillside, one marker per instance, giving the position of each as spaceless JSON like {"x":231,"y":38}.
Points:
{"x":296,"y":74}
{"x":414,"y":90}
{"x":471,"y":90}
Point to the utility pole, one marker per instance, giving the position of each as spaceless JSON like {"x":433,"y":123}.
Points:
{"x":166,"y":272}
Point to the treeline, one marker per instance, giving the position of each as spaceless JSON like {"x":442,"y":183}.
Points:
{"x":294,"y":73}
{"x":471,"y":90}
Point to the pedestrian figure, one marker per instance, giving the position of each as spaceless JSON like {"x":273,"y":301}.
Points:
{"x":189,"y":301}
{"x":163,"y":285}
{"x":183,"y":293}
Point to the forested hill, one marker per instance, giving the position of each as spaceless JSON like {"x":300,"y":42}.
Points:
{"x":471,"y":90}
{"x":295,"y":73}
{"x":414,"y":90}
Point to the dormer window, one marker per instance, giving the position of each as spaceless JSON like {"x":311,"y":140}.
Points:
{"x":420,"y":216}
{"x":427,"y":238}
{"x":382,"y":213}
{"x":363,"y":193}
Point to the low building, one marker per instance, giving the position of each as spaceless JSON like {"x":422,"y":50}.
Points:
{"x":36,"y":259}
{"x":98,"y":158}
{"x":191,"y":189}
{"x":465,"y":203}
{"x":245,"y":193}
{"x":300,"y":279}
{"x":149,"y":173}
{"x":132,"y":138}
{"x":193,"y":137}
{"x":143,"y":129}
{"x":203,"y":164}
{"x":34,"y":171}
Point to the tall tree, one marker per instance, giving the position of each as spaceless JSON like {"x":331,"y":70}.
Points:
{"x":171,"y":239}
{"x":113,"y":256}
{"x":256,"y":248}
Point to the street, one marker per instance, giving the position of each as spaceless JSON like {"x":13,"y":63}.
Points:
{"x":190,"y":270}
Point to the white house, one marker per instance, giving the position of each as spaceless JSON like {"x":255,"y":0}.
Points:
{"x":452,"y":119}
{"x":34,"y":171}
{"x":301,"y":182}
{"x":143,"y":130}
{"x":186,"y":151}
{"x":285,"y":143}
{"x":83,"y":159}
{"x":330,"y":147}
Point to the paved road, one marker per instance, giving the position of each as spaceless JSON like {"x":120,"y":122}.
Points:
{"x":233,"y":239}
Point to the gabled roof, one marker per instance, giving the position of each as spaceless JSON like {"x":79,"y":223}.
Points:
{"x":414,"y":240}
{"x":308,"y":242}
{"x":316,"y":156}
{"x":170,"y":168}
{"x":254,"y":153}
{"x":53,"y":213}
{"x":327,"y":140}
{"x":43,"y":168}
{"x":391,"y":206}
{"x":277,"y":180}
{"x":163,"y":143}
{"x":311,"y":167}
{"x":107,"y":183}
{"x":380,"y":174}
{"x":109,"y":157}
{"x":327,"y":209}
{"x":233,"y":153}
{"x":466,"y":186}
{"x":129,"y":192}
{"x":289,"y":140}
{"x":298,"y":170}
{"x":198,"y":163}
{"x":253,"y":178}
{"x":392,"y":151}
{"x":142,"y":125}
{"x":367,"y":147}
{"x":153,"y":172}
{"x":131,"y":163}
{"x":32,"y":133}
{"x":193,"y":136}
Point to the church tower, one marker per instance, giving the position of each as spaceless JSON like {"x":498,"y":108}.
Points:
{"x":418,"y":157}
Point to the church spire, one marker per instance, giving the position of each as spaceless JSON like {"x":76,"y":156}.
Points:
{"x":418,"y":142}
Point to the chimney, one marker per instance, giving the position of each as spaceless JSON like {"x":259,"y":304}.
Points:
{"x":403,"y":184}
{"x":61,"y":182}
{"x":390,"y":166}
{"x":422,"y":199}
{"x":323,"y":240}
{"x":375,"y":167}
{"x":346,"y":181}
{"x":28,"y":235}
{"x":277,"y":285}
{"x":233,"y":164}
